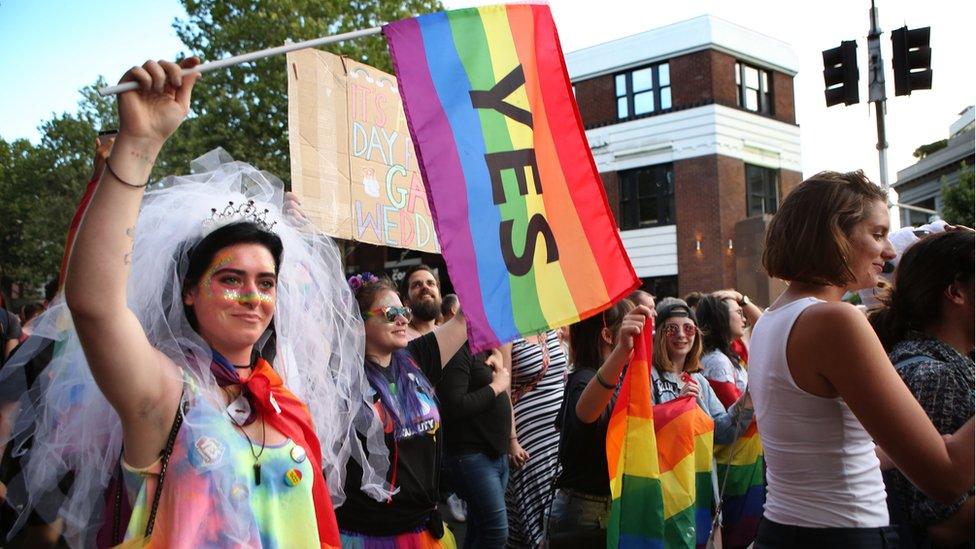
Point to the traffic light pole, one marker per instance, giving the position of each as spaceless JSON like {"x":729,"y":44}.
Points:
{"x":876,"y":91}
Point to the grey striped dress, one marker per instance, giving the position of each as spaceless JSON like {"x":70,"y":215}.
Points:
{"x":539,"y":397}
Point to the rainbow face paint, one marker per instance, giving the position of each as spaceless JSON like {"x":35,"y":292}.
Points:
{"x":249,"y":297}
{"x":207,"y":281}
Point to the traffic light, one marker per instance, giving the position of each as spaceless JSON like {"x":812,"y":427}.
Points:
{"x":911,"y":60}
{"x":840,"y":74}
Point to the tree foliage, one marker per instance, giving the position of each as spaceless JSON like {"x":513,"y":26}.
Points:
{"x":958,"y":200}
{"x":930,"y":148}
{"x":243,"y":109}
{"x":39,"y":187}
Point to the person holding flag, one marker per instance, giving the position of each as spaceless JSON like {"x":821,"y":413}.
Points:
{"x":600,"y":346}
{"x":180,"y":301}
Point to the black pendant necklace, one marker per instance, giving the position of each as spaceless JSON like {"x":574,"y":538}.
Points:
{"x":257,"y":455}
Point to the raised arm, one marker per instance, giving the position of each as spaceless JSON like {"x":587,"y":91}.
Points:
{"x":596,"y":396}
{"x":855,"y":366}
{"x":451,"y":335}
{"x":129,"y":371}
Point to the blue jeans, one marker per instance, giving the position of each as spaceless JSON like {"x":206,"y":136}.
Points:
{"x":481,"y":482}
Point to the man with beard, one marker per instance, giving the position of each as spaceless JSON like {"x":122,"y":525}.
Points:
{"x":422,"y":291}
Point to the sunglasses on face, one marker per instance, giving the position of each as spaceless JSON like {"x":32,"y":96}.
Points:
{"x":672,"y":330}
{"x":390,"y":314}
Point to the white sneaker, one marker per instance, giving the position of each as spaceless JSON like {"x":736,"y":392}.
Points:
{"x":457,"y":508}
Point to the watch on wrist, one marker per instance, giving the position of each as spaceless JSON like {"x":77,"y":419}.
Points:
{"x":744,"y":302}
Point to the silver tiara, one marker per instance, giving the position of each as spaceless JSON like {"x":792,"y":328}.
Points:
{"x":234,"y":213}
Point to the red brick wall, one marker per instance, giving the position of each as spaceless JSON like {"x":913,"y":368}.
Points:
{"x":783,"y":109}
{"x":732,"y":209}
{"x":697,"y":78}
{"x":691,"y":79}
{"x":697,"y":214}
{"x":611,"y":182}
{"x":710,"y":199}
{"x":596,"y":98}
{"x":723,"y":78}
{"x":788,"y":180}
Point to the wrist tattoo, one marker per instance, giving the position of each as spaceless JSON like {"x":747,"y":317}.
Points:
{"x":144,"y":158}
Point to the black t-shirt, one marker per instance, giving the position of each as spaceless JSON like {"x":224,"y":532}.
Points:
{"x":476,"y":421}
{"x":414,"y":461}
{"x":582,"y":446}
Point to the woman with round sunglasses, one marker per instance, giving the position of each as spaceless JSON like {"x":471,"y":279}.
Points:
{"x":402,"y":375}
{"x":676,"y":372}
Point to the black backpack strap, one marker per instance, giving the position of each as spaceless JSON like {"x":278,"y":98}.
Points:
{"x":157,"y":494}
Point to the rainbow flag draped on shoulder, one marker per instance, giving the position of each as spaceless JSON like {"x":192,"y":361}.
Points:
{"x":517,"y":203}
{"x":660,"y":462}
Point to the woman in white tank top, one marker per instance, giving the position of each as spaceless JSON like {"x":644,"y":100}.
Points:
{"x":823,"y":388}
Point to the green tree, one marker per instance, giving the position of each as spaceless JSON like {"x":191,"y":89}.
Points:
{"x":930,"y":148}
{"x":40,"y":186}
{"x":958,"y":200}
{"x":244,"y":109}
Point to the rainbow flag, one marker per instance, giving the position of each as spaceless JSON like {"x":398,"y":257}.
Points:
{"x":660,"y":462}
{"x":741,"y":471}
{"x":517,"y":203}
{"x":637,"y":508}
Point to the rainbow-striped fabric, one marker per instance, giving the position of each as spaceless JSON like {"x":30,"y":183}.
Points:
{"x":660,"y":462}
{"x":517,"y":202}
{"x":741,"y":470}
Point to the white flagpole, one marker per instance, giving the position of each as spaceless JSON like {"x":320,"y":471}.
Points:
{"x":254,"y":55}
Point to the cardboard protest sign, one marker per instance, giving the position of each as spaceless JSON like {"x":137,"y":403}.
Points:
{"x":353,"y":162}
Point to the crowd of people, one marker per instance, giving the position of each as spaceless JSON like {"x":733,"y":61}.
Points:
{"x":208,"y":377}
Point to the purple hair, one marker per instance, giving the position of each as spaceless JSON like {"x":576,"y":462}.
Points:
{"x":405,"y":406}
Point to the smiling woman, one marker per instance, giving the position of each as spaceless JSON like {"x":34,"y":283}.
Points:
{"x":402,"y":376}
{"x":825,"y":391}
{"x":180,"y":312}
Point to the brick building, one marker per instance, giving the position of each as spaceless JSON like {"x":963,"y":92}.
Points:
{"x":693,"y":130}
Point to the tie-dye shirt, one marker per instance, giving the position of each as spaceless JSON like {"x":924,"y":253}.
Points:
{"x":205,"y":503}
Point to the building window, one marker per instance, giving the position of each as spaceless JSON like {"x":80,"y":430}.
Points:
{"x":754,"y":88}
{"x":762,"y":190}
{"x":643,"y":91}
{"x":915,"y":217}
{"x":660,"y":286}
{"x":647,"y":197}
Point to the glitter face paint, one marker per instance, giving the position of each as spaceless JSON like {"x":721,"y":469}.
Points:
{"x":207,"y":281}
{"x":249,"y":297}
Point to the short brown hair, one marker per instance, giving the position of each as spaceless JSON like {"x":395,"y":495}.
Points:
{"x":807,"y":240}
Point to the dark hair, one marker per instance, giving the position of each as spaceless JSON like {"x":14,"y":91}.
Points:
{"x":201,"y":256}
{"x":51,"y":289}
{"x":367,"y":292}
{"x":585,"y":340}
{"x":448,"y":303}
{"x":405,"y":283}
{"x":807,"y":240}
{"x":29,"y":311}
{"x":693,"y":299}
{"x":712,"y":316}
{"x":914,"y":301}
{"x":636,"y":295}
